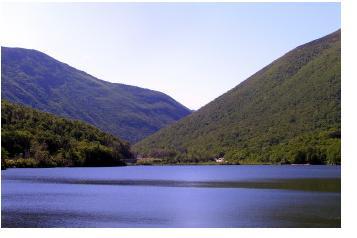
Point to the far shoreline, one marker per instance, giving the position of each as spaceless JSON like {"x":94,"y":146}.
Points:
{"x":158,"y":165}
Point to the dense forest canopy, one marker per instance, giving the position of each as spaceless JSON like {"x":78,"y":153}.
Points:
{"x":288,"y":112}
{"x":32,"y":78}
{"x":31,"y":138}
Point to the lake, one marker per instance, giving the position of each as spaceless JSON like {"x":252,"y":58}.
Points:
{"x":172,"y":196}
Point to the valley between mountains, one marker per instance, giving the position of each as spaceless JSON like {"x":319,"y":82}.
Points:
{"x":54,"y":115}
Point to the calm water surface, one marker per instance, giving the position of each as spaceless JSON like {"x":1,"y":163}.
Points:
{"x":172,"y":196}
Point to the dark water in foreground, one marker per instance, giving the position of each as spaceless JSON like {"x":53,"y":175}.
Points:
{"x":172,"y":196}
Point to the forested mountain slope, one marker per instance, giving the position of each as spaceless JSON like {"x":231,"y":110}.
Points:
{"x":32,"y":78}
{"x":31,"y":138}
{"x":288,"y":112}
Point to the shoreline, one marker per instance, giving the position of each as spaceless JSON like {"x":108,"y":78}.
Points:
{"x":157,"y":165}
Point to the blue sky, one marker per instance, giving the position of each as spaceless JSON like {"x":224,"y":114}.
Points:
{"x":193,"y":52}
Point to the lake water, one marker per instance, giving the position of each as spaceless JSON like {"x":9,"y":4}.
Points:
{"x":172,"y":196}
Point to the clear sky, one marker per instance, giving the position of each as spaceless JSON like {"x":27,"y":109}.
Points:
{"x":193,"y":52}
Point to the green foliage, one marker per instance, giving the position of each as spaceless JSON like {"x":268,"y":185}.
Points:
{"x":288,"y":112}
{"x":32,"y":78}
{"x":22,"y":163}
{"x":31,"y":138}
{"x":4,"y":157}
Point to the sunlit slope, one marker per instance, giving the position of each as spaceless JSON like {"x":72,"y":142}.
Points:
{"x":31,"y":138}
{"x":290,"y":111}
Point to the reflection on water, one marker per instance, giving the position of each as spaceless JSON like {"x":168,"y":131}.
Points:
{"x":305,"y":184}
{"x":172,"y":196}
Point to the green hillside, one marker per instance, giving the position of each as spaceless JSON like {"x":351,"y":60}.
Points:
{"x":31,"y":138}
{"x":288,"y":112}
{"x":34,"y":79}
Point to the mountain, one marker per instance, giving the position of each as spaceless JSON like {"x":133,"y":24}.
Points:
{"x":31,"y":138}
{"x":288,"y":112}
{"x":32,"y":78}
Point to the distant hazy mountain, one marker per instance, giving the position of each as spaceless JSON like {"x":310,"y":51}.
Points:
{"x":290,"y":111}
{"x":32,"y":78}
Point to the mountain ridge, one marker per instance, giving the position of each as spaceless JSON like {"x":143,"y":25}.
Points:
{"x":35,"y":79}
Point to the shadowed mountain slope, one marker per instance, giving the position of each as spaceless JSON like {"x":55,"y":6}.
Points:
{"x":32,"y":78}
